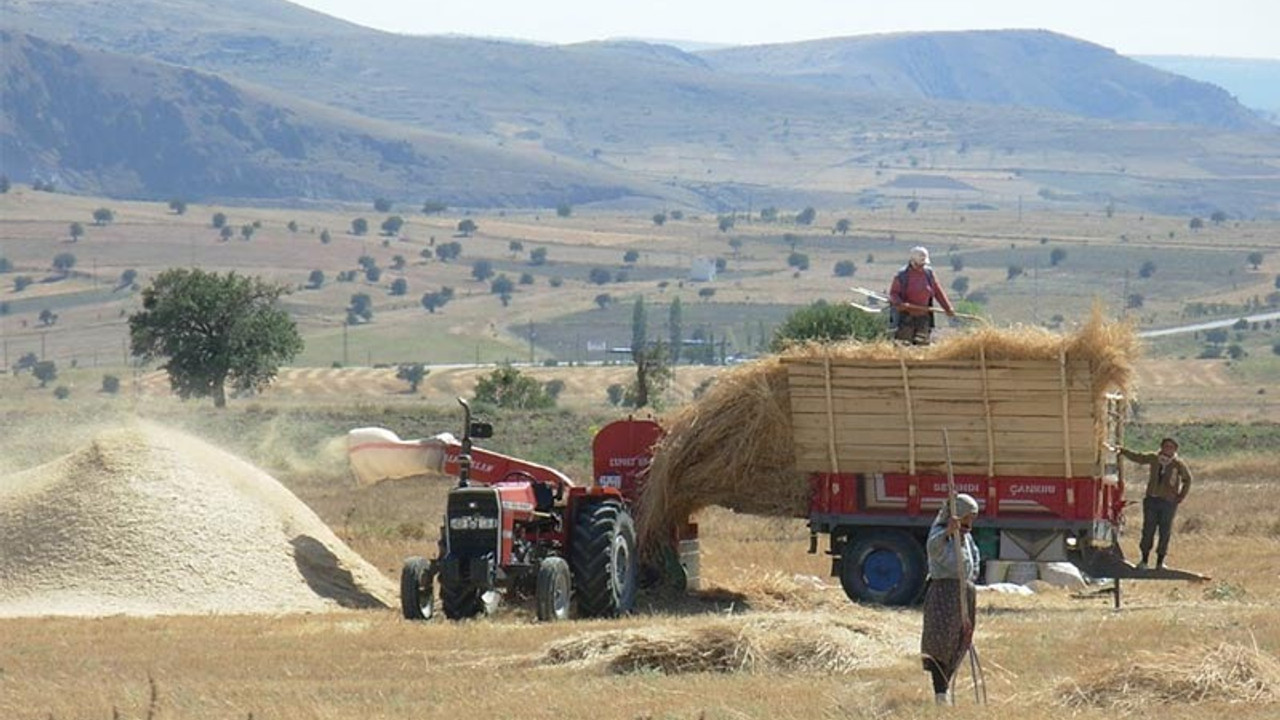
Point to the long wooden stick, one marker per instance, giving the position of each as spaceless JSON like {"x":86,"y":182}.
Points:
{"x":962,"y":581}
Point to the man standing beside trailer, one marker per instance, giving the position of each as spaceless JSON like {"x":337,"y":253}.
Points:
{"x":1167,"y":487}
{"x":912,"y":294}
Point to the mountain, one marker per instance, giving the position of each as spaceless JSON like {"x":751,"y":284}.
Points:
{"x":1254,"y":82}
{"x":1026,"y":68}
{"x":118,"y":125}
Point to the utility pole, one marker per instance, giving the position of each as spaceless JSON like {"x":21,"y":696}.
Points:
{"x":531,"y":341}
{"x":344,"y":344}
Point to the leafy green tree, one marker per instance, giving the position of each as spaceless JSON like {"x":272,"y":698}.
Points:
{"x":503,"y":287}
{"x":127,"y":278}
{"x":844,"y":268}
{"x":392,"y":225}
{"x":325,"y":237}
{"x":725,"y":223}
{"x":467,"y":227}
{"x":433,"y":301}
{"x":316,"y":279}
{"x":736,"y":245}
{"x":433,"y":207}
{"x":957,"y":263}
{"x":1218,"y":217}
{"x":824,"y":322}
{"x":5,"y":184}
{"x":247,"y":230}
{"x":219,"y":220}
{"x":293,"y":226}
{"x":46,"y":371}
{"x":449,"y":251}
{"x":359,"y":226}
{"x":1013,"y":271}
{"x":360,"y":309}
{"x":1147,"y":270}
{"x":1255,"y":259}
{"x":382,"y":205}
{"x":769,"y":214}
{"x":799,"y":261}
{"x":103,"y":216}
{"x":48,"y":317}
{"x":1196,"y":223}
{"x":213,"y":330}
{"x":373,"y":274}
{"x":110,"y":384}
{"x":556,"y":281}
{"x":399,"y":286}
{"x":76,"y":231}
{"x":366,"y":262}
{"x":226,"y":232}
{"x":913,"y":206}
{"x":1235,"y":351}
{"x":1135,"y":301}
{"x":631,"y":256}
{"x":659,"y":219}
{"x":599,"y":276}
{"x":806,"y":216}
{"x":617,"y":392}
{"x":1056,"y":256}
{"x":526,"y":278}
{"x":397,"y":262}
{"x":707,"y":293}
{"x":564,"y":210}
{"x":843,"y":225}
{"x":178,"y":206}
{"x":482,"y":270}
{"x":63,"y":262}
{"x":960,"y":284}
{"x":6,"y":265}
{"x":516,"y":247}
{"x":22,"y":282}
{"x":791,"y":239}
{"x":506,"y":387}
{"x":62,"y":392}
{"x":538,"y":256}
{"x":412,"y":373}
{"x":604,"y":300}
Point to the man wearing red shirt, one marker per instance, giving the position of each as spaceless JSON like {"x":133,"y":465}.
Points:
{"x":914,"y":289}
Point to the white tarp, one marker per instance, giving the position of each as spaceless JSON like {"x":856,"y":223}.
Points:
{"x":379,"y":454}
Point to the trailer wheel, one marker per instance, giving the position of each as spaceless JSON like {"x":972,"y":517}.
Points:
{"x":417,"y":589}
{"x":461,"y":599}
{"x":604,"y":560}
{"x":886,"y":567}
{"x":553,"y":592}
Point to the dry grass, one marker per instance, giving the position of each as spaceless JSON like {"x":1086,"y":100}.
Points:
{"x":1227,"y":673}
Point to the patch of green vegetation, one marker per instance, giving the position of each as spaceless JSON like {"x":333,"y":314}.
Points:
{"x":1208,"y":438}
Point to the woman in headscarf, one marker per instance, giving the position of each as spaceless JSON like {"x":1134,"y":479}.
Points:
{"x":947,"y":634}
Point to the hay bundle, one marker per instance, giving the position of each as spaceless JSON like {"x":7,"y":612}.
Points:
{"x":736,"y":446}
{"x":816,"y":643}
{"x":1228,"y":673}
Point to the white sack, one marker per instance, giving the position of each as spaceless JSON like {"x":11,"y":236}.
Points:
{"x":378,"y":454}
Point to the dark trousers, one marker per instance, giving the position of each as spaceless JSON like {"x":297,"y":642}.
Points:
{"x":914,"y":329}
{"x":1157,"y":514}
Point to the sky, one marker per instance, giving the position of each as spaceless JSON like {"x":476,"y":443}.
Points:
{"x":1224,"y":28}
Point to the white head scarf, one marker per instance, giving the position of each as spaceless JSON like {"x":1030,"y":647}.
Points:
{"x":920,"y":255}
{"x":965,"y":505}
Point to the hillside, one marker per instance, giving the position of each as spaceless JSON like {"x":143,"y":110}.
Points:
{"x":1254,"y":82}
{"x":1022,"y":68}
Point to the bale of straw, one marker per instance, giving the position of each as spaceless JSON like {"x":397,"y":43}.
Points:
{"x":1228,"y":673}
{"x":735,"y":446}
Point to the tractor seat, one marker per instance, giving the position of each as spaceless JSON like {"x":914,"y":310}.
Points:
{"x":544,"y":497}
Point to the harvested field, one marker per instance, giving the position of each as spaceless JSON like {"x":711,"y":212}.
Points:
{"x":149,"y":521}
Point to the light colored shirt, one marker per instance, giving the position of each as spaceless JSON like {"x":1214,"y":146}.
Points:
{"x":942,"y":555}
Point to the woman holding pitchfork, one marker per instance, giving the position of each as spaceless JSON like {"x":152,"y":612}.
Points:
{"x":947,"y":634}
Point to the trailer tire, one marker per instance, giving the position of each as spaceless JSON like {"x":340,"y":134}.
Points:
{"x":604,"y":560}
{"x":885,"y":567}
{"x":417,"y":589}
{"x":554,"y":591}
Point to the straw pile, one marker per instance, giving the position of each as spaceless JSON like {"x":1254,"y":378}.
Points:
{"x":148,"y":521}
{"x":791,"y":642}
{"x":1226,"y":674}
{"x":736,"y":446}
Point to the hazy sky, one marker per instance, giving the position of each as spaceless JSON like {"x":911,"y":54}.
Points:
{"x":1231,"y":28}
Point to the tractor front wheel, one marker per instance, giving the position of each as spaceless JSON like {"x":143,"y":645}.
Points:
{"x":460,"y":598}
{"x":604,"y":560}
{"x":553,"y":592}
{"x":417,"y":589}
{"x":886,"y":567}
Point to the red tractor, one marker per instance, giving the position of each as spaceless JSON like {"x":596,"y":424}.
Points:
{"x":522,"y":528}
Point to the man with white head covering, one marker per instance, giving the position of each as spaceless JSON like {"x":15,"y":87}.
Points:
{"x":912,"y":294}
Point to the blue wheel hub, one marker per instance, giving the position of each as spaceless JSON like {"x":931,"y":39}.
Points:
{"x":882,"y":570}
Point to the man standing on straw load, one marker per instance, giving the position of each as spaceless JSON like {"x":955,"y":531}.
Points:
{"x":947,"y":634}
{"x":912,"y":293}
{"x":1167,"y":487}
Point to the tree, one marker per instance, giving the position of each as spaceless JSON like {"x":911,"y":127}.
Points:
{"x":433,"y":207}
{"x":467,"y":226}
{"x":77,"y":231}
{"x":526,"y":278}
{"x":502,"y":285}
{"x":6,"y":265}
{"x":957,"y":263}
{"x":799,"y":261}
{"x":515,"y":246}
{"x":482,"y":270}
{"x":225,"y":232}
{"x":360,"y":309}
{"x":960,"y":284}
{"x":843,"y":225}
{"x":1056,"y":256}
{"x":806,"y":216}
{"x":359,"y":226}
{"x":382,"y":205}
{"x":707,"y":293}
{"x":603,"y":300}
{"x":1196,"y":223}
{"x":247,"y":230}
{"x":219,"y":220}
{"x":913,"y":206}
{"x":1147,"y":270}
{"x":22,"y":282}
{"x":399,"y":286}
{"x":538,"y":256}
{"x":735,"y":244}
{"x":659,"y":219}
{"x":1217,"y":336}
{"x":392,"y":225}
{"x":373,"y":274}
{"x":725,"y":223}
{"x":46,"y":371}
{"x":110,"y":384}
{"x":1235,"y":351}
{"x":1218,"y":217}
{"x":768,"y":214}
{"x":1255,"y":259}
{"x":412,"y":373}
{"x":449,"y":251}
{"x":1012,"y":272}
{"x":293,"y":226}
{"x":826,"y":323}
{"x":844,"y":268}
{"x":178,"y":206}
{"x":63,"y":262}
{"x":506,"y":387}
{"x":316,"y":279}
{"x":631,"y":256}
{"x":791,"y":239}
{"x":675,"y":329}
{"x":564,"y":210}
{"x":213,"y":330}
{"x":599,"y":276}
{"x":1135,"y":301}
{"x":325,"y":237}
{"x":127,"y":278}
{"x":48,"y":317}
{"x":397,"y":262}
{"x":5,"y":184}
{"x":103,"y":216}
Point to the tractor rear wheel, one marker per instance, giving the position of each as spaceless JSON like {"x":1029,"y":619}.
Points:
{"x":553,"y":592}
{"x":885,"y":567}
{"x":461,"y":599}
{"x":417,"y":589}
{"x":604,"y":560}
